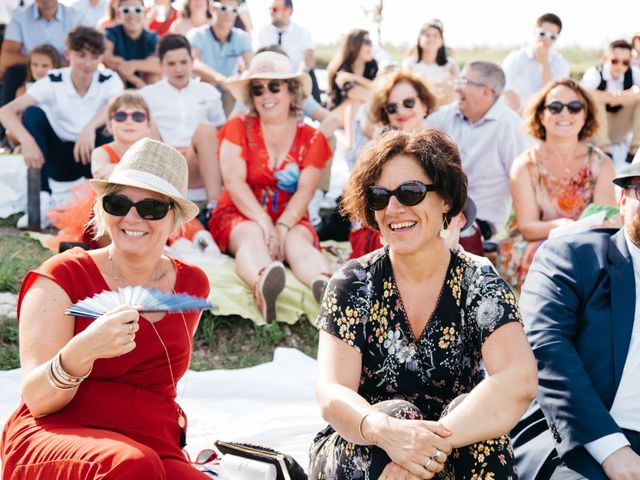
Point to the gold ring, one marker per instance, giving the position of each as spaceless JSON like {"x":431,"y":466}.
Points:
{"x":131,"y":337}
{"x":131,"y":328}
{"x":429,"y":460}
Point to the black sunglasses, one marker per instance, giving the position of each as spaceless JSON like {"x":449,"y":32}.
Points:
{"x":257,"y":89}
{"x":137,"y":116}
{"x":392,"y":108}
{"x":556,"y":107}
{"x":149,"y":209}
{"x":408,"y":194}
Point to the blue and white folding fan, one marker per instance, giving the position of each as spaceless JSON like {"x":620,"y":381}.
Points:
{"x":150,"y":299}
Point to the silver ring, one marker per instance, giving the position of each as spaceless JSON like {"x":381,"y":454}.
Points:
{"x":429,"y":460}
{"x":437,"y":455}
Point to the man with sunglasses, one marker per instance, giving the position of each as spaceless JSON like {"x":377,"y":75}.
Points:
{"x":219,"y":48}
{"x":131,"y":48}
{"x":581,"y":309}
{"x":62,"y":113}
{"x":528,"y":69}
{"x":489,"y":136}
{"x":615,"y":84}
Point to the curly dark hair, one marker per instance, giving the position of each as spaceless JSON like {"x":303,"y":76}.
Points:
{"x":433,"y":150}
{"x":386,"y":83}
{"x":531,"y":115}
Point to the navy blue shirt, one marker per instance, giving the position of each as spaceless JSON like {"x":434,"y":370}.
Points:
{"x":129,"y":49}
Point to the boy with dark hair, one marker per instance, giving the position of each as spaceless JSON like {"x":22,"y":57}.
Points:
{"x":528,"y":69}
{"x":131,"y":48}
{"x":185,"y":113}
{"x":62,"y":112}
{"x":615,"y":85}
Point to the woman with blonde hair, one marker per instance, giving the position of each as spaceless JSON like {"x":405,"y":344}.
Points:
{"x":553,"y":182}
{"x":98,"y":396}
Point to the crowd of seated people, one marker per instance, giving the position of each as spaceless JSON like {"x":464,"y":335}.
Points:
{"x":447,"y":162}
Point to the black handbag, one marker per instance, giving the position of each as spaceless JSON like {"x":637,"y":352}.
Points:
{"x":286,"y":467}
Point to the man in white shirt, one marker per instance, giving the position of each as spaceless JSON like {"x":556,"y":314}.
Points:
{"x":185,"y":112}
{"x":616,"y":87}
{"x":581,"y":309}
{"x":59,"y":139}
{"x":92,"y":11}
{"x":291,"y":37}
{"x":489,"y":135}
{"x":528,"y":69}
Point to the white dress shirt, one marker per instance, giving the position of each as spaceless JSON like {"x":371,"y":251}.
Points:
{"x":524,"y":73}
{"x":488,"y":148}
{"x":177,"y":113}
{"x":626,"y":404}
{"x":294,"y":40}
{"x":591,"y":79}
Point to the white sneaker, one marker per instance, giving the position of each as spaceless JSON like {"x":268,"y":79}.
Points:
{"x":45,"y":206}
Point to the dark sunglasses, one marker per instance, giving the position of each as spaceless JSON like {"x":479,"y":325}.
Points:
{"x":556,"y":107}
{"x":367,"y":41}
{"x":616,"y":61}
{"x":149,"y":209}
{"x":408,"y":194}
{"x":137,"y":116}
{"x":128,"y":10}
{"x":257,"y":89}
{"x":392,"y":108}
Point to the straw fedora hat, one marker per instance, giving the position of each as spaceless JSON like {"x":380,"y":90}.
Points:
{"x":153,"y":166}
{"x":268,"y":66}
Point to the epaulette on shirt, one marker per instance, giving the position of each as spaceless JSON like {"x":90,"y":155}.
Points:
{"x":55,"y":77}
{"x":104,"y":77}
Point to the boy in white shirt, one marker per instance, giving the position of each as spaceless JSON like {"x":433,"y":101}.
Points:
{"x":62,"y":111}
{"x":185,"y":113}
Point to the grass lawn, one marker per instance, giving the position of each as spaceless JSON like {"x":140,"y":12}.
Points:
{"x":220,"y":342}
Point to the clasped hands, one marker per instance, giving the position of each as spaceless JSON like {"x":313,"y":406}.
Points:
{"x":418,"y":449}
{"x":274,"y":237}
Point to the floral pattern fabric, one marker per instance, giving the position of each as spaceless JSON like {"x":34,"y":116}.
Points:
{"x":272,"y":188}
{"x":556,"y":198}
{"x":362,"y":307}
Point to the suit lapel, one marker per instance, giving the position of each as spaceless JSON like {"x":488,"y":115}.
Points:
{"x":623,"y":299}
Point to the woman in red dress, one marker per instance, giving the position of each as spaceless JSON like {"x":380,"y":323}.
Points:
{"x":98,"y":396}
{"x":271,"y":165}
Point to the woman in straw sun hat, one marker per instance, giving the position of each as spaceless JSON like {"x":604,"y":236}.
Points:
{"x":98,"y":396}
{"x":271,"y":165}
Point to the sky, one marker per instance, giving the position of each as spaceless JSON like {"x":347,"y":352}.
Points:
{"x":467,"y":23}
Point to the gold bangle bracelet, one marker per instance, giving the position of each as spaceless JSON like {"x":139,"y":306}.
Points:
{"x":367,"y":442}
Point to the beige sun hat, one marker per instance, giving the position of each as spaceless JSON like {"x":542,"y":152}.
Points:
{"x":153,"y":166}
{"x":267,"y":66}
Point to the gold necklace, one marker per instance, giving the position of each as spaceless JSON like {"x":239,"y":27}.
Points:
{"x":119,"y":276}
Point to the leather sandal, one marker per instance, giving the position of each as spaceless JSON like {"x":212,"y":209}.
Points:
{"x":319,"y":285}
{"x":270,"y":283}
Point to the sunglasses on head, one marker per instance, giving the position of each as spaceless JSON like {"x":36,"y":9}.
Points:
{"x":226,"y":8}
{"x":257,"y":89}
{"x":556,"y":107}
{"x":542,"y":33}
{"x":128,"y":10}
{"x":617,"y":61}
{"x":137,"y":116}
{"x":392,"y":108}
{"x":149,"y":209}
{"x":408,"y":194}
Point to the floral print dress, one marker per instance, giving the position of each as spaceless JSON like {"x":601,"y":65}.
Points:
{"x":556,"y":198}
{"x":363,"y":308}
{"x":272,"y":188}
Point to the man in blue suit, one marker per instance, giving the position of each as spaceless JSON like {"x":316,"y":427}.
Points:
{"x":581,"y":307}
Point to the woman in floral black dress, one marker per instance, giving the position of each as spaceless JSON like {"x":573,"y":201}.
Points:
{"x":405,"y":328}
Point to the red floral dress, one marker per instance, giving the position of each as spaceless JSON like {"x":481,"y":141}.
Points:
{"x":272,"y":188}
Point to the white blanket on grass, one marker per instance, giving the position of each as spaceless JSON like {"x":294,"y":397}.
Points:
{"x":272,"y":404}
